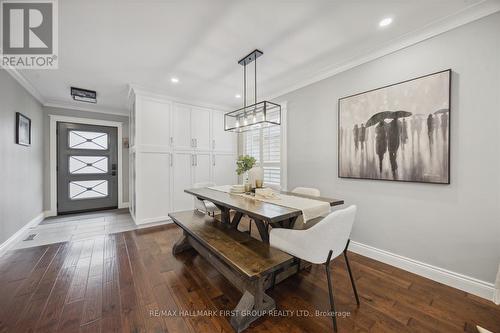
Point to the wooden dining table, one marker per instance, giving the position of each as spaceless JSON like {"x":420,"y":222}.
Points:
{"x":250,"y":265}
{"x":264,"y":214}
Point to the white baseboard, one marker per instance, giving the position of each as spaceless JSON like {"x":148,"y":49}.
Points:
{"x":5,"y":246}
{"x":456,"y":280}
{"x":167,"y":219}
{"x":124,"y":205}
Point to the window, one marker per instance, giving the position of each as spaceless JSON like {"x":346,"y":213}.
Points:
{"x":265,"y":146}
{"x":88,"y":140}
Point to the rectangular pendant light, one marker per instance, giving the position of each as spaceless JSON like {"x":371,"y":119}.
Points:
{"x":258,"y":115}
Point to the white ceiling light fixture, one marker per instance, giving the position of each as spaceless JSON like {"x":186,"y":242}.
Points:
{"x":174,"y":80}
{"x":385,"y":22}
{"x":237,"y":96}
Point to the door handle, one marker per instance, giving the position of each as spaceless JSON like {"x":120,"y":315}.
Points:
{"x":113,"y":166}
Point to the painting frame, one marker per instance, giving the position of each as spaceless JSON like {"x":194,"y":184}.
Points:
{"x":448,"y":142}
{"x":23,"y":130}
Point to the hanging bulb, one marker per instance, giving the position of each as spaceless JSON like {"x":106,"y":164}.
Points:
{"x":237,"y":123}
{"x":254,"y":118}
{"x":245,"y":121}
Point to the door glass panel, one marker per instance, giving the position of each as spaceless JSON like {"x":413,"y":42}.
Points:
{"x":88,"y":140}
{"x":88,"y":164}
{"x":88,"y":189}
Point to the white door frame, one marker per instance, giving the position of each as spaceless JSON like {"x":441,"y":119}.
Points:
{"x":54,"y":119}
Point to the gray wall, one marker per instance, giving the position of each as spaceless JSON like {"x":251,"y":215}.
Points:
{"x":21,"y":168}
{"x":82,"y":114}
{"x":457,"y":226}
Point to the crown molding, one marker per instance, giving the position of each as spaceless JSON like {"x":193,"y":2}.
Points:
{"x":87,"y":108}
{"x":24,"y":83}
{"x":466,"y":15}
{"x":145,"y":91}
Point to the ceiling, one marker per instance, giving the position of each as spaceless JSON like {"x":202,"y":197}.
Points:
{"x":105,"y":45}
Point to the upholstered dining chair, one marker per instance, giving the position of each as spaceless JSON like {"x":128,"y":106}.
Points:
{"x":204,"y":206}
{"x":323,"y":242}
{"x":314,"y":192}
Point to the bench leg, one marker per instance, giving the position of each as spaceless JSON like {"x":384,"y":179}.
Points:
{"x":181,"y":245}
{"x":253,"y":304}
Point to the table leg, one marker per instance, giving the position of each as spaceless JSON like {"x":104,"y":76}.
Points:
{"x":291,"y":222}
{"x":225,"y":217}
{"x":181,"y":245}
{"x":236,"y":219}
{"x":253,"y":304}
{"x":263,"y":231}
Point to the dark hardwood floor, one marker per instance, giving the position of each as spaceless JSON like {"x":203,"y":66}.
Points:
{"x":123,"y":282}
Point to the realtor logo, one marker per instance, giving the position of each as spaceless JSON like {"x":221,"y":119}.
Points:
{"x":29,"y":34}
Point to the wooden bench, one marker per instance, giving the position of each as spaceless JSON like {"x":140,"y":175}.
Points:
{"x":250,"y":265}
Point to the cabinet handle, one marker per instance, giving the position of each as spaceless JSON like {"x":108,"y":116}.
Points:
{"x":195,"y":143}
{"x":171,"y":140}
{"x":213,"y":144}
{"x":171,"y":159}
{"x":214,"y":159}
{"x":192,"y":143}
{"x":192,"y":160}
{"x":195,"y":160}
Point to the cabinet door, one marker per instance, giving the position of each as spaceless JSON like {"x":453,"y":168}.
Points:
{"x":224,"y":166}
{"x":202,"y":168}
{"x":181,"y":127}
{"x":153,"y":187}
{"x":181,"y":180}
{"x":223,"y":141}
{"x":200,"y":128}
{"x":154,"y":118}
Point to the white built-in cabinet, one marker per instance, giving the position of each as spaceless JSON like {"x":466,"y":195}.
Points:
{"x":173,"y":146}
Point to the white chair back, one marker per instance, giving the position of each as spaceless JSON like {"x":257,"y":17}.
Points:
{"x":199,"y":204}
{"x":274,"y":187}
{"x":307,"y":191}
{"x":332,"y":233}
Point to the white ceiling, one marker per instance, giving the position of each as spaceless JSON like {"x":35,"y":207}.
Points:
{"x":106,"y":45}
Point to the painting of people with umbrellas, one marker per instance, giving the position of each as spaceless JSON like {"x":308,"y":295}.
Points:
{"x":399,"y":132}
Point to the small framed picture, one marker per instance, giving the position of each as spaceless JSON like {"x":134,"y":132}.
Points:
{"x":23,"y":130}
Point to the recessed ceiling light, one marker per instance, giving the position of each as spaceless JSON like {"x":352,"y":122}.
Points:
{"x":237,"y":96}
{"x":174,"y":80}
{"x":385,"y":22}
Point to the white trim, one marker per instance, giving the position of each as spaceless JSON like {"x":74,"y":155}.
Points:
{"x":125,"y":205}
{"x":82,"y":106}
{"x":283,"y":148}
{"x":456,"y":280}
{"x":135,"y":89}
{"x":165,"y":219}
{"x":53,"y":154}
{"x":5,"y":246}
{"x":450,"y":22}
{"x":24,"y":83}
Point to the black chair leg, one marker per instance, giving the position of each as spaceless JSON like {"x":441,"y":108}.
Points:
{"x":350,"y":274}
{"x":352,"y":278}
{"x":330,"y":291}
